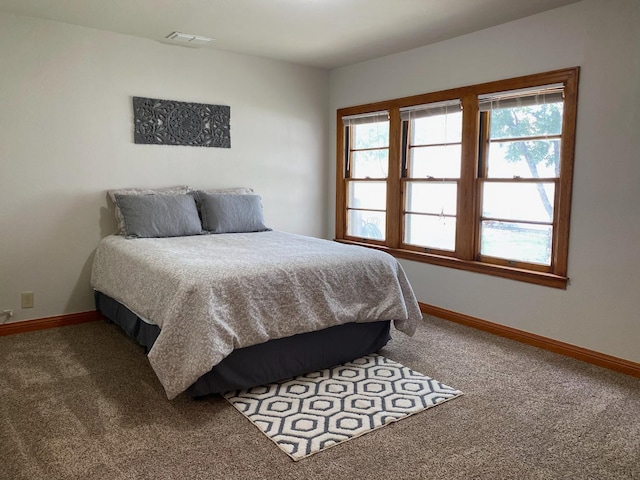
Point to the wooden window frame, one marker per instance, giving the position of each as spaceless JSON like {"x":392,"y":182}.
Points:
{"x":466,"y":255}
{"x":349,"y":179}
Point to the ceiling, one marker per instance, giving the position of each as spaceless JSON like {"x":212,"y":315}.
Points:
{"x":320,"y":33}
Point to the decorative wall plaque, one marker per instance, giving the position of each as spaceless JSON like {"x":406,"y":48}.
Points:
{"x":168,"y":122}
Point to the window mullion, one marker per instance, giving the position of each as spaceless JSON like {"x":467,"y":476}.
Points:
{"x":395,"y":197}
{"x":342,"y":147}
{"x":563,"y":205}
{"x":467,"y":226}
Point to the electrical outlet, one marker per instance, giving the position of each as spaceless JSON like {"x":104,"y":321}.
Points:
{"x":27,"y":299}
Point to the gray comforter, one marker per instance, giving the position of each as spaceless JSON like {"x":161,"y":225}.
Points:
{"x":211,"y":294}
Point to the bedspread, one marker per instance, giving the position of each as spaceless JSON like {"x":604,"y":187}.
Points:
{"x":211,"y":294}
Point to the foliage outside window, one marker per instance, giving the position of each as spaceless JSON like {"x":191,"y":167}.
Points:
{"x":476,"y":178}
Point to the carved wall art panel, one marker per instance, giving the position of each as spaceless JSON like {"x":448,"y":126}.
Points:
{"x":168,"y":122}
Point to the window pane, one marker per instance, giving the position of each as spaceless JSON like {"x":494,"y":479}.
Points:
{"x":430,"y":231}
{"x":436,"y":162}
{"x":366,"y":224}
{"x":532,"y":121}
{"x":370,"y":164}
{"x":437,"y":129}
{"x":525,"y":159}
{"x":368,"y":195}
{"x":432,"y":197}
{"x":519,"y":201}
{"x":516,"y":241}
{"x":370,"y":135}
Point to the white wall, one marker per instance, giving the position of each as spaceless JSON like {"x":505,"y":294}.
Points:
{"x":600,"y":309}
{"x":66,"y":136}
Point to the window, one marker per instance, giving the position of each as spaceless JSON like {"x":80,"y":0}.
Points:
{"x":476,"y":178}
{"x":366,"y":171}
{"x":431,"y":164}
{"x":519,"y":172}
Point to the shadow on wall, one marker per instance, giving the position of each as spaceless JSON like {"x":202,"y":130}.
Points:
{"x":108,"y":223}
{"x":81,"y":296}
{"x":82,"y":289}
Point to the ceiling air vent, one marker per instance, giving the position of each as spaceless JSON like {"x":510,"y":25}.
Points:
{"x":188,"y":39}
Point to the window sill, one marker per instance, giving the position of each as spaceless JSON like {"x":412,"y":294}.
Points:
{"x":528,"y":276}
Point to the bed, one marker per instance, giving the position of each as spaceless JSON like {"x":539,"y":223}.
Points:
{"x":225,"y":311}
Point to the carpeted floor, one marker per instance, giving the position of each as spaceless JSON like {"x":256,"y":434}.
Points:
{"x":82,"y":402}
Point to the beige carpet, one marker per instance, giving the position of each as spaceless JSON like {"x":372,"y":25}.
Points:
{"x":81,"y":402}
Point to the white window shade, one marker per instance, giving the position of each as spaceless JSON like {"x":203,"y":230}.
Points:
{"x":363,"y":118}
{"x":522,"y":97}
{"x":430,"y":109}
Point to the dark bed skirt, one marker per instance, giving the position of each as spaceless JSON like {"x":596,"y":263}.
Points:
{"x":266,"y":362}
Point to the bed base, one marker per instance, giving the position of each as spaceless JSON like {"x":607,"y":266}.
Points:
{"x":267,"y":362}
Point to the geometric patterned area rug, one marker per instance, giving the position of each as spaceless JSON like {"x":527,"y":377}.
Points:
{"x":313,"y":412}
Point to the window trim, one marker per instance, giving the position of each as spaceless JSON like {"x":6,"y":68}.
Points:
{"x":468,"y":205}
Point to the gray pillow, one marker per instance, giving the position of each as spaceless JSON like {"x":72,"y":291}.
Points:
{"x":179,"y":190}
{"x":151,"y":216}
{"x":222,"y":213}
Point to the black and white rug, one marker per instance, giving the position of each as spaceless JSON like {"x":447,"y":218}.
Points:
{"x":313,"y":412}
